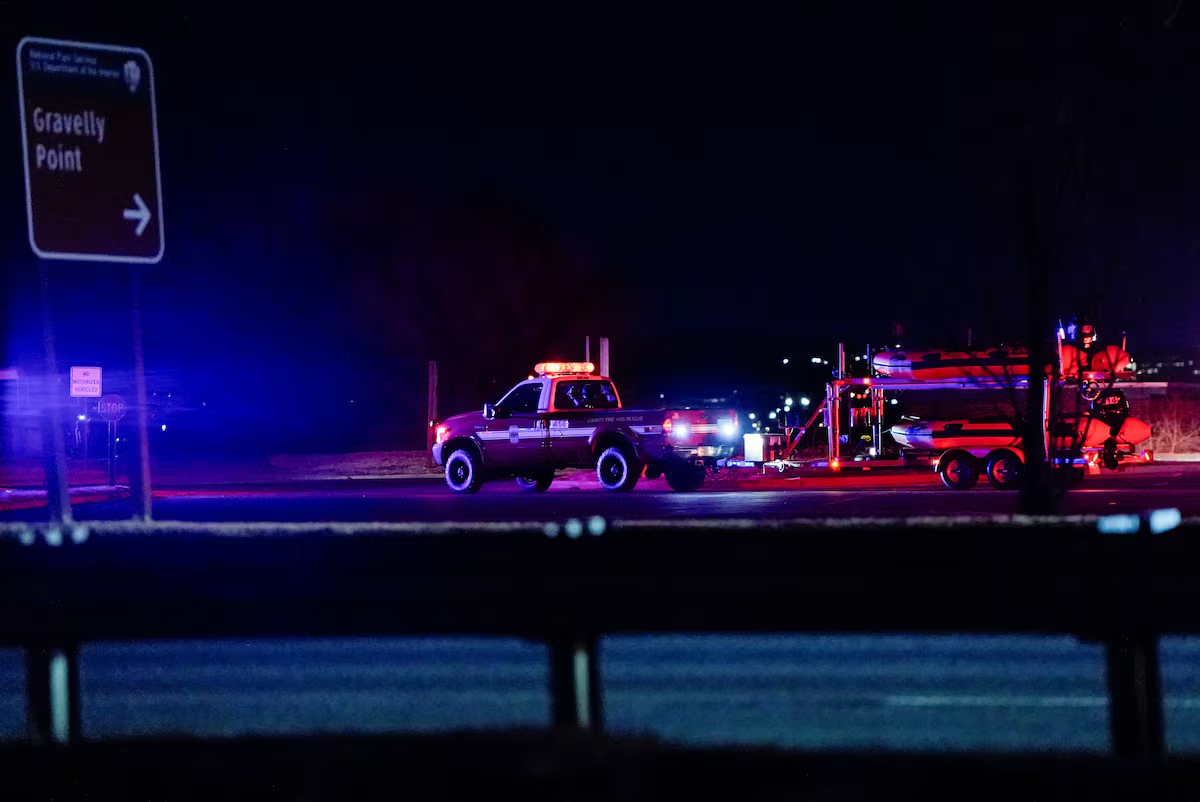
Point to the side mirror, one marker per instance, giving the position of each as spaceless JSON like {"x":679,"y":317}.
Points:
{"x":489,"y":412}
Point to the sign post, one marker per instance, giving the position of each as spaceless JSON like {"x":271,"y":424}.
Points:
{"x":58,"y":491}
{"x":86,"y":383}
{"x":112,"y":409}
{"x":93,"y":187}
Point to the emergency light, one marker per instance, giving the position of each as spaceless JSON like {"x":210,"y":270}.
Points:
{"x":544,"y":368}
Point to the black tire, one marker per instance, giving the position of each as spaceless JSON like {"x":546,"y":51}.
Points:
{"x":685,"y":478}
{"x":535,"y":483}
{"x":1004,"y":470}
{"x":617,"y":469}
{"x":653,"y":472}
{"x":958,"y":470}
{"x":462,"y":472}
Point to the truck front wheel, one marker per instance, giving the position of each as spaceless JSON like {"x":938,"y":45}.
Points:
{"x":462,"y":472}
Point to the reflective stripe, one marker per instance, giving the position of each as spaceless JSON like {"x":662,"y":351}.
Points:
{"x":574,"y":431}
{"x":505,"y":434}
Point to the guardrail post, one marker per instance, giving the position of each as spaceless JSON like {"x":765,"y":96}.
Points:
{"x":575,"y":683}
{"x":1135,"y":695}
{"x":53,"y":712}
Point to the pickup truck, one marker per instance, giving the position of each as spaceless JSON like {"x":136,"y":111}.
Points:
{"x":704,"y":433}
{"x":565,"y":416}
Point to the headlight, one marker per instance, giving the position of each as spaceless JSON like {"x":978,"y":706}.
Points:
{"x":728,"y":429}
{"x":681,"y":430}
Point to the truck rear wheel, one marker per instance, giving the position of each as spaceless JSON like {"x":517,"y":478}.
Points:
{"x":617,"y":469}
{"x":685,"y":478}
{"x":462,"y":472}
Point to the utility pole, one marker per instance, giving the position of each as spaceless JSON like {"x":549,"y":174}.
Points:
{"x":431,"y":411}
{"x":1036,"y":495}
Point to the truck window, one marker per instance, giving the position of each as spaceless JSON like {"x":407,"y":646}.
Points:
{"x":585,"y":394}
{"x":523,"y":399}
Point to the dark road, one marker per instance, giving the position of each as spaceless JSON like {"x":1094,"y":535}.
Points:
{"x":892,"y":692}
{"x":1136,"y":490}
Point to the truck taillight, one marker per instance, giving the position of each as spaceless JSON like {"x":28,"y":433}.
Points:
{"x":441,"y":434}
{"x":729,"y":426}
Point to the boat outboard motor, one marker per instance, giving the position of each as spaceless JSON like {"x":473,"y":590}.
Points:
{"x":1111,"y":408}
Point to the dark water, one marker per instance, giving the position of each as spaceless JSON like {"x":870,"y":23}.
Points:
{"x":895,"y":692}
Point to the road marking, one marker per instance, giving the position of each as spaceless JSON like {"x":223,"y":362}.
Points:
{"x":918,"y":700}
{"x":950,"y":700}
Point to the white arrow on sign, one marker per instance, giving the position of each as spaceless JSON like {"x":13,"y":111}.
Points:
{"x":141,"y":214}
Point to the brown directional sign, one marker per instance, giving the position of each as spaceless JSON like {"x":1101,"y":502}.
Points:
{"x":89,"y":129}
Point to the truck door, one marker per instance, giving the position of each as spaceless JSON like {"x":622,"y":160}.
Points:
{"x":516,"y":437}
{"x":575,"y":402}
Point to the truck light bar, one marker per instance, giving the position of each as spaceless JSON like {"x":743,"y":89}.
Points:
{"x":545,"y":368}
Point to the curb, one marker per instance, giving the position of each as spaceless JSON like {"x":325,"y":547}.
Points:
{"x":369,"y":477}
{"x":29,"y":500}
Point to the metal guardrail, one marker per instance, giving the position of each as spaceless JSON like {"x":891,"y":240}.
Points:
{"x":1121,"y":581}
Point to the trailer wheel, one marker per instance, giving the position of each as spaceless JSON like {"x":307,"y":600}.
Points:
{"x":958,"y":470}
{"x":1004,"y":469}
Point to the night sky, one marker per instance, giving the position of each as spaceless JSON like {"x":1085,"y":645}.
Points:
{"x":347,"y":198}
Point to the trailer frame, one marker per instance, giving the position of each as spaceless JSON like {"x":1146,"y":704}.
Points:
{"x":831,"y":407}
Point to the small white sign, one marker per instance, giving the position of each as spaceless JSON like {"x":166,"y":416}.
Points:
{"x":86,"y":382}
